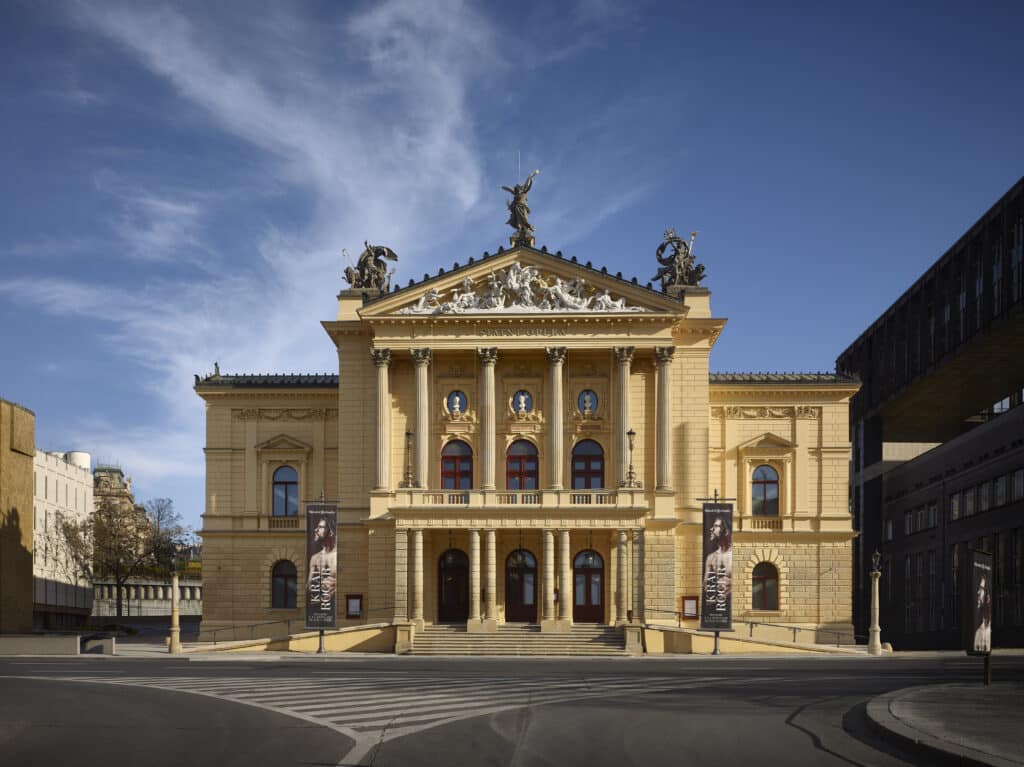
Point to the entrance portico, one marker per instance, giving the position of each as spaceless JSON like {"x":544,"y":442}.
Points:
{"x":518,"y":575}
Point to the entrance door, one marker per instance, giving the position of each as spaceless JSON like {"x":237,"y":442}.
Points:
{"x":588,"y":588}
{"x":521,"y":587}
{"x":453,"y":587}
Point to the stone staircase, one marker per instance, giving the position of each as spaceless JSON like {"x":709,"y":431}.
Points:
{"x":520,"y":639}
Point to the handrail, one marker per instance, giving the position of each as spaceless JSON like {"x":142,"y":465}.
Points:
{"x":839,"y":635}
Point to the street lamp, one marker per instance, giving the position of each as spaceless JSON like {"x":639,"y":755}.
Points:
{"x":875,"y":632}
{"x":407,"y":481}
{"x":174,"y":644}
{"x":630,"y":473}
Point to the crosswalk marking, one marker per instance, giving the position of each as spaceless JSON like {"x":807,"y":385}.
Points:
{"x":375,"y":709}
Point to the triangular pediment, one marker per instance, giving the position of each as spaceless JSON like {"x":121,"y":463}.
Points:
{"x":766,"y":442}
{"x":284,"y":443}
{"x":522,"y":281}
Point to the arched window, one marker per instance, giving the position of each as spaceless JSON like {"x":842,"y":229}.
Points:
{"x":457,"y":466}
{"x":282,"y":585}
{"x":765,"y":587}
{"x":521,"y":466}
{"x":286,"y":492}
{"x":587,"y":466}
{"x":765,"y":492}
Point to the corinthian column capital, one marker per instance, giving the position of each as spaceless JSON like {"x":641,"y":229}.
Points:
{"x":664,"y":353}
{"x":556,"y":354}
{"x":624,"y":353}
{"x":381,"y":357}
{"x":421,"y":356}
{"x":488,"y":355}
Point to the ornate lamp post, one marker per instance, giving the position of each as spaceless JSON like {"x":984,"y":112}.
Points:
{"x":875,"y":632}
{"x":174,"y":645}
{"x":630,"y":473}
{"x":407,"y":480}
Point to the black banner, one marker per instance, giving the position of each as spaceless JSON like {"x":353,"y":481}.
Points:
{"x":322,"y":575}
{"x":716,"y":578}
{"x":979,"y":637}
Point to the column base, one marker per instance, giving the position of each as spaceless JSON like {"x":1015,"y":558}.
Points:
{"x":874,"y":642}
{"x":417,"y":624}
{"x":634,"y":640}
{"x":556,"y":626}
{"x":404,"y":635}
{"x":484,"y":626}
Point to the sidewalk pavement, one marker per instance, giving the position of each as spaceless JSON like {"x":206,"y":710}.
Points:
{"x":964,"y":724}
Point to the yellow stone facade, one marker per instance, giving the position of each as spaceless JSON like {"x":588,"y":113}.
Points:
{"x":372,"y":438}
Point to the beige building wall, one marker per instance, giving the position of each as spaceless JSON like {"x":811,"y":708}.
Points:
{"x":62,"y":491}
{"x":17,"y":450}
{"x":716,"y":429}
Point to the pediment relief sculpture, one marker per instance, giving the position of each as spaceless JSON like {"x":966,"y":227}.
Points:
{"x":519,"y":290}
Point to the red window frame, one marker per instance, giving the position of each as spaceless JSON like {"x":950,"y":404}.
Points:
{"x":522,"y":469}
{"x":587,"y":467}
{"x":769,"y":507}
{"x":456,"y":466}
{"x":765,"y":578}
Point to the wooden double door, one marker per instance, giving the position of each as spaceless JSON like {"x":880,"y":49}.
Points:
{"x":453,"y":587}
{"x":588,"y":587}
{"x":521,"y":587}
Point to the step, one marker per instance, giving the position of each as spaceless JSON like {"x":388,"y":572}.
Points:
{"x":519,"y":639}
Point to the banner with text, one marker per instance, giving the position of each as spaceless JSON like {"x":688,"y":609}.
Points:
{"x":322,"y":575}
{"x":716,"y":584}
{"x":979,"y":637}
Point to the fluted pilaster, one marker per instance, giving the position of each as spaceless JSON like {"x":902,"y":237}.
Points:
{"x":488,"y":358}
{"x":382,"y":360}
{"x":623,"y":359}
{"x":663,"y":354}
{"x":556,"y":360}
{"x":421,"y":360}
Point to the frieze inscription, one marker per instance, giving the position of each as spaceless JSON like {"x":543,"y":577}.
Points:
{"x":285,"y":414}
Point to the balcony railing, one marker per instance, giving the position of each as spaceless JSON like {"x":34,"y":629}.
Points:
{"x":765,"y":523}
{"x":611,"y":499}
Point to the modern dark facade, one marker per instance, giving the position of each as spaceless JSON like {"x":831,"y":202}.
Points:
{"x":938,"y":461}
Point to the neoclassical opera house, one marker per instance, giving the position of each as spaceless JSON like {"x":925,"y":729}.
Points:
{"x":523,"y":438}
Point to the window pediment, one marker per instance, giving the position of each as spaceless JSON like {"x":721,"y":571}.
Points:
{"x":283,"y":444}
{"x":766,"y":446}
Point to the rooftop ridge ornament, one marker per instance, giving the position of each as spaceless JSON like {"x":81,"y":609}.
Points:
{"x":519,"y":211}
{"x":371,"y":271}
{"x":678,"y":268}
{"x":519,"y":290}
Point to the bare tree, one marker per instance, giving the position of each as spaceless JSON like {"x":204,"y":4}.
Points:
{"x":120,"y":540}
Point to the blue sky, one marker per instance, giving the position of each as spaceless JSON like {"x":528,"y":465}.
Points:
{"x":179,"y":180}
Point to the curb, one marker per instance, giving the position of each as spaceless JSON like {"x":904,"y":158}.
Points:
{"x":889,"y":727}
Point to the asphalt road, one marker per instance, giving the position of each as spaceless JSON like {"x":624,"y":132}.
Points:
{"x":397,"y":711}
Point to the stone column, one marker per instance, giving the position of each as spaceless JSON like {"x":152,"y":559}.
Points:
{"x":565,"y":577}
{"x":417,"y":577}
{"x":638,"y":604}
{"x":401,"y":599}
{"x":492,"y":577}
{"x":549,"y":576}
{"x":623,"y":358}
{"x":474,"y":576}
{"x":620,"y":579}
{"x":421,"y":360}
{"x":663,"y":354}
{"x":174,"y":641}
{"x":382,"y":359}
{"x":556,"y":358}
{"x":487,"y":415}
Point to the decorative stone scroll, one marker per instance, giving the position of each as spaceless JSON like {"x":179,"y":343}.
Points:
{"x":740,"y":411}
{"x":520,"y":290}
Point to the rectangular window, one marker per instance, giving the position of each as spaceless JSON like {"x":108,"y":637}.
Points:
{"x":997,"y":279}
{"x":979,"y":290}
{"x":933,"y":612}
{"x":921,"y":594}
{"x":963,"y":307}
{"x":946,"y":335}
{"x":908,"y":522}
{"x":1018,"y":576}
{"x":969,"y":494}
{"x":954,"y":569}
{"x":1017,"y":261}
{"x":954,"y":507}
{"x":888,"y":529}
{"x":908,"y":594}
{"x":984,"y":495}
{"x":933,"y":515}
{"x":353,"y":605}
{"x":1000,"y":580}
{"x":1018,"y":484}
{"x":920,"y":520}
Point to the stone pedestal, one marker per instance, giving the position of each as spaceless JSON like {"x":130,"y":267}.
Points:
{"x":634,"y":639}
{"x":405,"y":633}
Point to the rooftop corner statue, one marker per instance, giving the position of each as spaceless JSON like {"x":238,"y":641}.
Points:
{"x":370,"y":270}
{"x":518,"y":210}
{"x":678,"y":268}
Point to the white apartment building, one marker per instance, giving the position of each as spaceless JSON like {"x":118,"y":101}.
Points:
{"x":62,"y":489}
